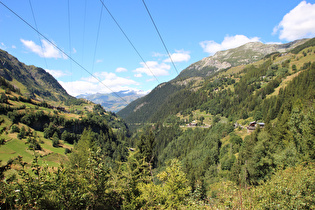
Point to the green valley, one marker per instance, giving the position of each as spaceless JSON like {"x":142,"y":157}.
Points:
{"x":241,"y":136}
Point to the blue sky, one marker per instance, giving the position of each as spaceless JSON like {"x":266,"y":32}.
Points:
{"x":190,"y":29}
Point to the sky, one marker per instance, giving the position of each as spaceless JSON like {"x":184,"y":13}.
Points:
{"x":90,"y":48}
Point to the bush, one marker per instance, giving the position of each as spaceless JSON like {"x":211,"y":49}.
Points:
{"x":15,"y":129}
{"x":2,"y":141}
{"x":67,"y":151}
{"x":292,"y":188}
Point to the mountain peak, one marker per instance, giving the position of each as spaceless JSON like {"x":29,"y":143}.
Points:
{"x":245,"y":54}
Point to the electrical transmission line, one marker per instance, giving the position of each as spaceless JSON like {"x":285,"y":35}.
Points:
{"x":62,"y":51}
{"x":157,"y":30}
{"x":145,"y":63}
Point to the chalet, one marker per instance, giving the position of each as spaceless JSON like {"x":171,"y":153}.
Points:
{"x":192,"y":124}
{"x":252,"y":126}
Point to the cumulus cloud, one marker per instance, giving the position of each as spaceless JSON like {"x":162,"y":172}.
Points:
{"x":157,"y":54}
{"x":2,"y":46}
{"x":56,"y":73}
{"x":47,"y":50}
{"x":91,"y":85}
{"x":121,"y":69}
{"x":152,"y":67}
{"x":179,"y":56}
{"x":229,"y":42}
{"x":298,"y":23}
{"x":138,"y":75}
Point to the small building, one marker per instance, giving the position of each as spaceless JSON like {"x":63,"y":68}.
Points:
{"x":253,"y":125}
{"x":192,"y":124}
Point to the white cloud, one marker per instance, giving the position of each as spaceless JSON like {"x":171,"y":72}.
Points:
{"x":153,"y":67}
{"x":46,"y":51}
{"x":74,"y":50}
{"x":13,"y":47}
{"x":156,"y":54}
{"x":109,"y":82}
{"x":138,"y":75}
{"x":274,"y":43}
{"x":298,"y":23}
{"x":229,"y":42}
{"x":99,"y":61}
{"x":179,"y":56}
{"x":121,"y":69}
{"x":56,"y":73}
{"x":2,"y":46}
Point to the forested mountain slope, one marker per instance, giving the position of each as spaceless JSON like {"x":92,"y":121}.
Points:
{"x":38,"y":116}
{"x":143,"y":109}
{"x":276,"y":93}
{"x":32,"y":81}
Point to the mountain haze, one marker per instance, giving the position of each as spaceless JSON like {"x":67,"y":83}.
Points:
{"x":111,"y":101}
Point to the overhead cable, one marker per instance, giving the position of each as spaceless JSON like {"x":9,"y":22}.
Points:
{"x":41,"y":44}
{"x":145,"y":63}
{"x":98,"y":32}
{"x":157,"y":30}
{"x":62,"y":51}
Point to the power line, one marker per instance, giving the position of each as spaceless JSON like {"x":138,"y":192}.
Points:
{"x":98,"y":32}
{"x":69,"y":34}
{"x":157,"y":30}
{"x":41,"y":44}
{"x":83,"y":38}
{"x":62,"y":51}
{"x":129,"y":40}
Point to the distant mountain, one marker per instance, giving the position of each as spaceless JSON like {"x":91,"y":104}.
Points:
{"x":111,"y":102}
{"x":148,"y":108}
{"x":32,"y":81}
{"x":245,"y":54}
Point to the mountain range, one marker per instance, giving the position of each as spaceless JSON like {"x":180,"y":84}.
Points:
{"x":115,"y":101}
{"x":143,"y":109}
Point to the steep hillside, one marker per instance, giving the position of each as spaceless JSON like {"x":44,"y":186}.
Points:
{"x":239,"y":125}
{"x":184,"y":86}
{"x":242,"y":55}
{"x":141,"y":109}
{"x":37,"y":116}
{"x":32,"y":81}
{"x":27,"y":125}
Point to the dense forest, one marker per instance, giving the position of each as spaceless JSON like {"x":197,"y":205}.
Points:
{"x":198,"y":149}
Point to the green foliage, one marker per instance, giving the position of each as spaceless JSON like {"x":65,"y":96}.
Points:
{"x":146,"y":144}
{"x":22,"y":133}
{"x":15,"y":129}
{"x":293,"y":188}
{"x":307,"y":44}
{"x":173,"y":192}
{"x":79,"y":157}
{"x":98,"y":109}
{"x":55,"y":140}
{"x":33,"y":143}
